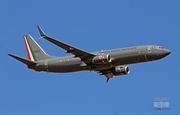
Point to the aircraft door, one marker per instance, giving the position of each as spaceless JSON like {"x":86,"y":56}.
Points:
{"x":46,"y":64}
{"x":149,"y":49}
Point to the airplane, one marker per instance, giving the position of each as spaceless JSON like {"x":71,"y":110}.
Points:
{"x":109,"y":63}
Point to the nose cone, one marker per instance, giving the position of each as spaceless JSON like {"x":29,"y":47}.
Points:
{"x":166,"y":52}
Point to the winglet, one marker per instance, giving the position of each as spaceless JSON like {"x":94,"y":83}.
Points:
{"x":41,"y":31}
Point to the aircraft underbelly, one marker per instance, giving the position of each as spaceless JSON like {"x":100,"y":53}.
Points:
{"x":65,"y":68}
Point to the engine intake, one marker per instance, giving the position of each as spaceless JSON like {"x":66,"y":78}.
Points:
{"x":102,"y":59}
{"x":121,"y":70}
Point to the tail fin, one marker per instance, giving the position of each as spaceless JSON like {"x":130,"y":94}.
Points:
{"x":34,"y":51}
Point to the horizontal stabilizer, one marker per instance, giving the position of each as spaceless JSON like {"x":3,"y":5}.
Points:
{"x":23,"y":60}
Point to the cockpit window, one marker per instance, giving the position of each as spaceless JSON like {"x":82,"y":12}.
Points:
{"x":160,"y":48}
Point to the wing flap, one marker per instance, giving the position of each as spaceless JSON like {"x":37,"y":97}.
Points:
{"x":106,"y":73}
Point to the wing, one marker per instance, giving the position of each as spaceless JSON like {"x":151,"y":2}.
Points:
{"x":83,"y":55}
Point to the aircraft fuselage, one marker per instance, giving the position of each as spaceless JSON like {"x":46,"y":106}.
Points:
{"x":122,"y":56}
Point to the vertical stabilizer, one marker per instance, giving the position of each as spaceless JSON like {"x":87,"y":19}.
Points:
{"x":34,"y":51}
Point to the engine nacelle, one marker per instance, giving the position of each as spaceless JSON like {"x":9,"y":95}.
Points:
{"x":102,"y":59}
{"x":121,"y":70}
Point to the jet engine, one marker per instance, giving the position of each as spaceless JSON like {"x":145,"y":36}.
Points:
{"x":121,"y":70}
{"x":102,"y":59}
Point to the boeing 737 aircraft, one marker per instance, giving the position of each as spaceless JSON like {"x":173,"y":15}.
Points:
{"x":109,"y":63}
